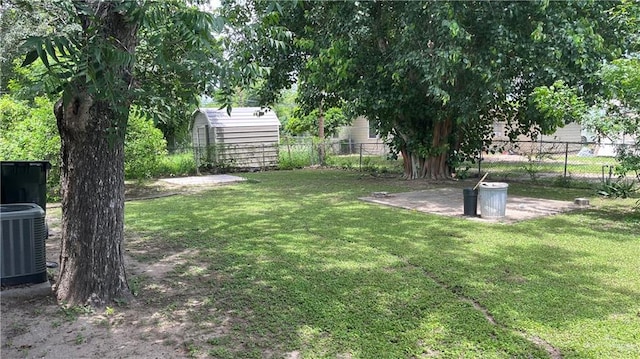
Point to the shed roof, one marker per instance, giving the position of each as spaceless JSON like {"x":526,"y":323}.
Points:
{"x":240,"y":116}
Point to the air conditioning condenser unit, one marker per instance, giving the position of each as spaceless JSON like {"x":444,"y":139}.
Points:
{"x":22,"y":252}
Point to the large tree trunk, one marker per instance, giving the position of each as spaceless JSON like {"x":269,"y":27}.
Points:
{"x":416,"y":167}
{"x":170,"y":137}
{"x":435,"y":166}
{"x":92,"y":180}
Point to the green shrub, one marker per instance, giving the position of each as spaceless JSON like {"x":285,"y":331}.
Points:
{"x":10,"y":112}
{"x":344,"y":162}
{"x":28,"y":132}
{"x":621,"y":188}
{"x":296,"y":156}
{"x":374,"y":164}
{"x":175,"y":165}
{"x":144,"y":147}
{"x":628,"y":161}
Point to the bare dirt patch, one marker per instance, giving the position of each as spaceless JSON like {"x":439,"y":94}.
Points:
{"x":40,"y":327}
{"x":161,"y":322}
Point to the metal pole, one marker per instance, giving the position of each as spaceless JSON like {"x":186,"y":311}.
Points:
{"x":479,"y":161}
{"x":196,"y":153}
{"x":566,"y":157}
{"x":540,"y":149}
{"x":207,"y":141}
{"x":361,"y":157}
{"x":311,"y":154}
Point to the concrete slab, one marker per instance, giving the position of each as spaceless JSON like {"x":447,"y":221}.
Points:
{"x":449,"y":202}
{"x":203,"y":180}
{"x":27,"y":291}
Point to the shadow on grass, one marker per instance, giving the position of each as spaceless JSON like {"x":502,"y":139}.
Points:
{"x":304,"y":267}
{"x":619,"y":222}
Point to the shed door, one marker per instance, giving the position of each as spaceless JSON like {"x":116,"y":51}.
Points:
{"x":200,"y":137}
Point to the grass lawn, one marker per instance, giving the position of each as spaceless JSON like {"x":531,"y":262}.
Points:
{"x":291,"y":264}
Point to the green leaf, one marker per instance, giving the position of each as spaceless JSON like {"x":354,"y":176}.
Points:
{"x":60,"y":44}
{"x":30,"y":58}
{"x":43,"y":56}
{"x":50,"y":50}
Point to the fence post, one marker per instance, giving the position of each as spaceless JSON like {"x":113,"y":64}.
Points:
{"x":540,"y":148}
{"x":566,"y":157}
{"x":360,"y":160}
{"x":479,"y":161}
{"x":196,"y":154}
{"x":607,"y":180}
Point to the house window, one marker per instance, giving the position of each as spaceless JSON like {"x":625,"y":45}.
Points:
{"x":373,"y":131}
{"x":498,"y":129}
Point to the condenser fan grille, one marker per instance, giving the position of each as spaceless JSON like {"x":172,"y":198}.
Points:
{"x":23,"y":257}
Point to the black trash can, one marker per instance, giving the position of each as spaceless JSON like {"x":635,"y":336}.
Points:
{"x":24,"y":182}
{"x":470,"y":201}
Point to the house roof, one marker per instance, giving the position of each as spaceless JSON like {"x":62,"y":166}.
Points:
{"x":240,"y":116}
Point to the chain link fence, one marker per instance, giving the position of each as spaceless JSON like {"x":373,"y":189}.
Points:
{"x":292,"y":153}
{"x":523,"y":160}
{"x":538,"y":160}
{"x":223,"y":157}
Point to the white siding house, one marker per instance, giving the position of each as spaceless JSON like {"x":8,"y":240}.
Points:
{"x":361,"y":134}
{"x":553,"y":143}
{"x":569,"y":133}
{"x":248,"y":138}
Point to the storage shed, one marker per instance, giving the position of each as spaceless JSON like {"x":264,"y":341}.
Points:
{"x":248,"y":138}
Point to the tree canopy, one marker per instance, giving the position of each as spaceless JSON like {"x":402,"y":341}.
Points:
{"x":174,"y":63}
{"x":614,"y":110}
{"x":614,"y":113}
{"x":434,"y":76}
{"x":302,"y":123}
{"x":172,"y":72}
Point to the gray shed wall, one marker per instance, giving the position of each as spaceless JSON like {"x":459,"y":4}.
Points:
{"x":245,"y":145}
